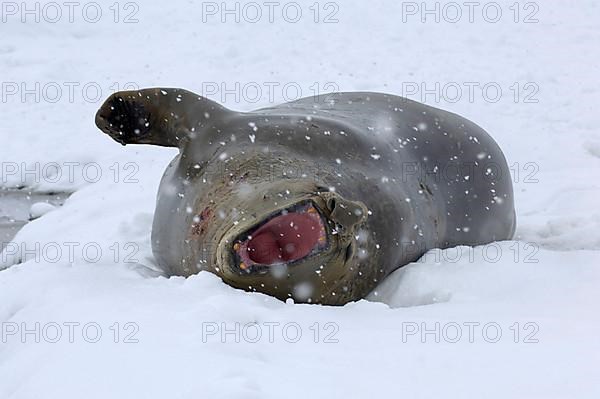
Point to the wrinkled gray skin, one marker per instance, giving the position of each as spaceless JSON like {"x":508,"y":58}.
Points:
{"x":391,"y":178}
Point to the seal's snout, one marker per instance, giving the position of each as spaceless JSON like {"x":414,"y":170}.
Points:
{"x":347,"y":214}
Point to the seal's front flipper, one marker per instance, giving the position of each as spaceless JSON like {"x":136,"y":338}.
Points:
{"x":158,"y":116}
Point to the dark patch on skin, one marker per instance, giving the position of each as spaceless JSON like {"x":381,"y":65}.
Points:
{"x":199,"y":228}
{"x":425,"y":188}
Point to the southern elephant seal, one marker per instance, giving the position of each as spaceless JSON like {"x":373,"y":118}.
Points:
{"x":318,"y":199}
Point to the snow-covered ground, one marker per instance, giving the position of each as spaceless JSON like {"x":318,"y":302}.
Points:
{"x":514,"y":319}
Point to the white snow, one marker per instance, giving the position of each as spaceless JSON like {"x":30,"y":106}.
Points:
{"x":88,"y":265}
{"x":40,"y":209}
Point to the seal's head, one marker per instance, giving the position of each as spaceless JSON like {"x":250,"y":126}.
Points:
{"x":286,"y":237}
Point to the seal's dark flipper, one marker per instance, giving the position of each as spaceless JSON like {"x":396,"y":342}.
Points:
{"x":157,"y":116}
{"x":126,"y":121}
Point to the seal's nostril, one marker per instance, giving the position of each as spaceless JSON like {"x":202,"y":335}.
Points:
{"x":331,"y":204}
{"x":349,"y":252}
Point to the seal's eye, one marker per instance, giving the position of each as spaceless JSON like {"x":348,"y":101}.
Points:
{"x":284,"y":238}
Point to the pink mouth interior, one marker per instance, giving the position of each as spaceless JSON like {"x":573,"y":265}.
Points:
{"x":285,"y":238}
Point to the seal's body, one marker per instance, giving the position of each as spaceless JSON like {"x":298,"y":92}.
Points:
{"x":318,"y":199}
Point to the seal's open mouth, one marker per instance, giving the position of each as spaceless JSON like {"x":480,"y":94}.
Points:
{"x":284,"y":237}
